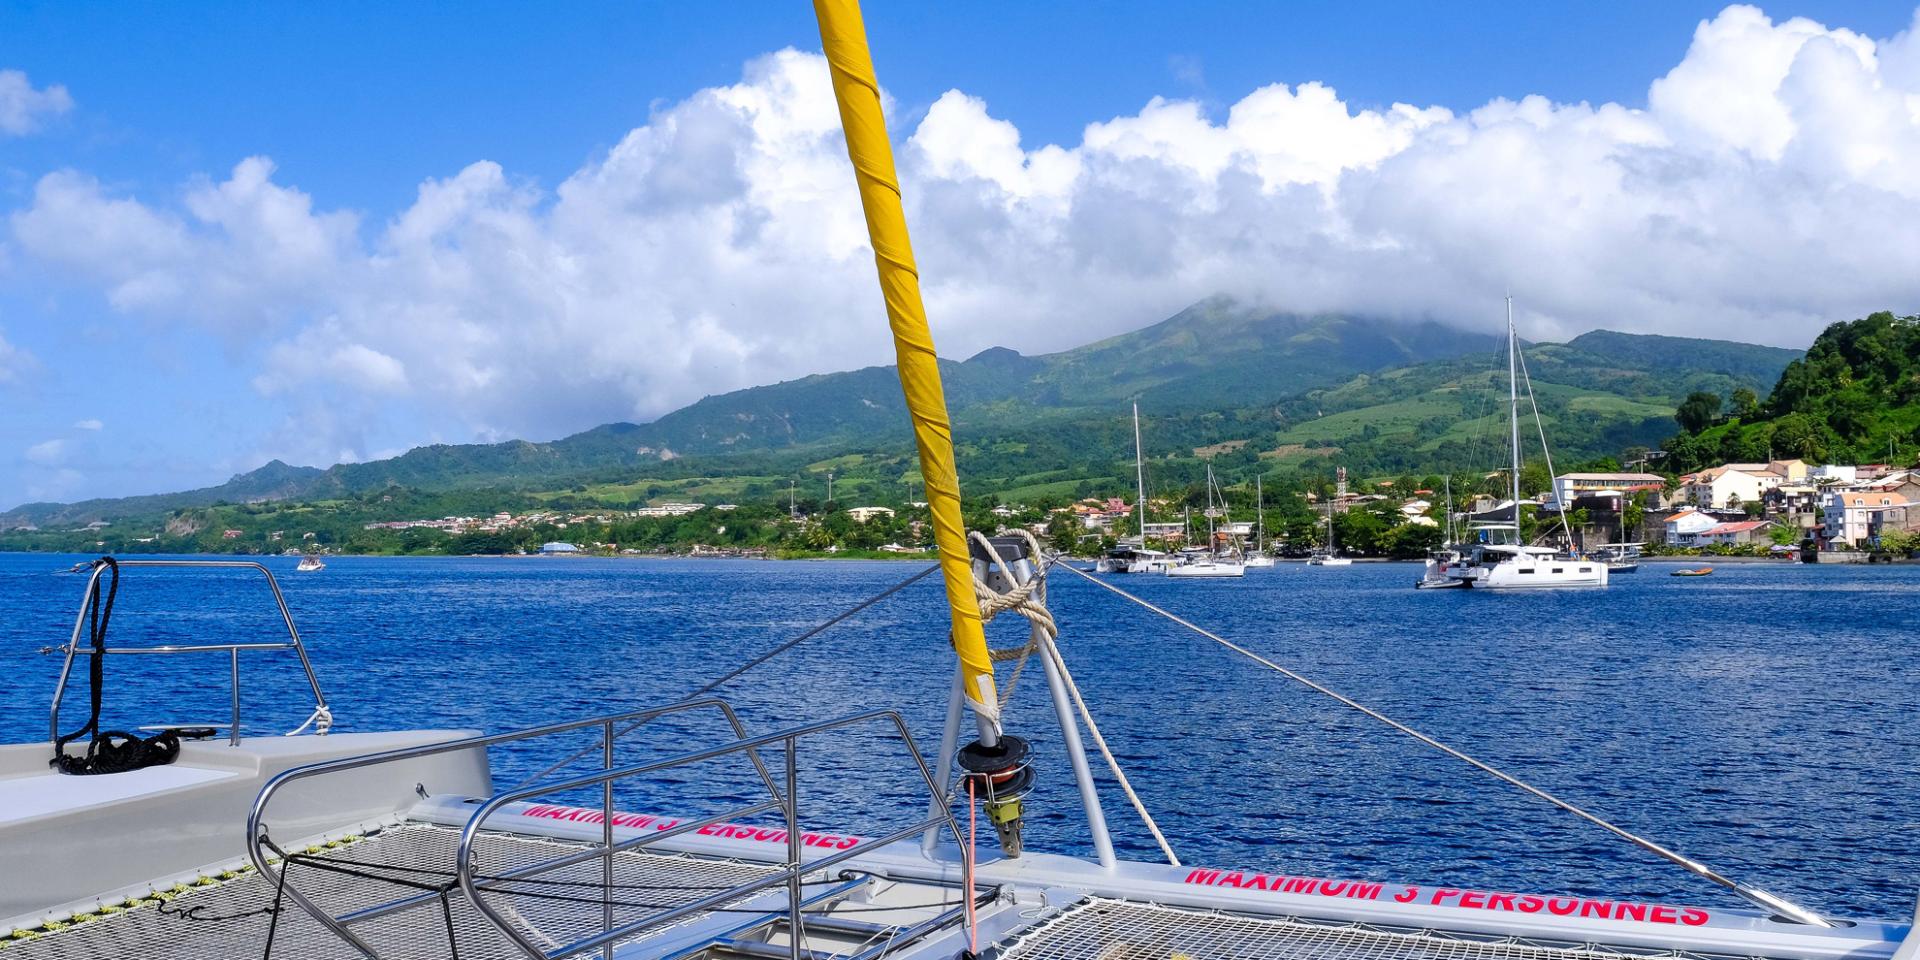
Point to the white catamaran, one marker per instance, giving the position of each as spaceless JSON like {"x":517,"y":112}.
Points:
{"x":1501,"y":559}
{"x":185,"y":845}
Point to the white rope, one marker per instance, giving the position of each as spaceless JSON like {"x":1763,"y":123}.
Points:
{"x":1029,"y":599}
{"x":1113,"y":764}
{"x":321,"y":720}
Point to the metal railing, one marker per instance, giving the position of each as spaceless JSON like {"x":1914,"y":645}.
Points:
{"x":784,"y":801}
{"x":321,"y":718}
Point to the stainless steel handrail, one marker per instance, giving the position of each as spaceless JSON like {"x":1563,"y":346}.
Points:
{"x":256,"y":819}
{"x":322,"y":716}
{"x":796,"y":866}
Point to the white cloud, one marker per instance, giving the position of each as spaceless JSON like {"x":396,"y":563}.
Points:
{"x":89,"y":424}
{"x":1764,"y":191}
{"x":47,"y":452}
{"x":14,"y":362}
{"x":22,"y":108}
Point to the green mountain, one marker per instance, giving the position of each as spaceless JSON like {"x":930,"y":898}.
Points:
{"x":1854,"y":397}
{"x":1211,"y":355}
{"x":1273,"y":391}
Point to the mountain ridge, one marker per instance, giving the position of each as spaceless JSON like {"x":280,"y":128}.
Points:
{"x":1216,"y":368}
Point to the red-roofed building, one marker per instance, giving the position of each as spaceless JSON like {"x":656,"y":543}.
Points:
{"x":1738,"y":533}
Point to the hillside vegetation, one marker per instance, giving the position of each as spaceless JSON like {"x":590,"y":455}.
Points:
{"x":1853,"y":398}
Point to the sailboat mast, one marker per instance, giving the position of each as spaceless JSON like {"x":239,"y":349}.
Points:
{"x":1212,"y":545}
{"x":1140,"y":476}
{"x":1513,"y":399}
{"x":1259,"y":517}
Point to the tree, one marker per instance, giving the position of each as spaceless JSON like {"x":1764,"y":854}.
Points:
{"x":1697,"y":412}
{"x":1797,"y":435}
{"x":1746,"y":404}
{"x":1534,"y":478}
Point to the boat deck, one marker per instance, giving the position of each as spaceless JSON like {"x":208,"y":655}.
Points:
{"x":856,"y":915}
{"x":1102,"y":929}
{"x":232,"y":919}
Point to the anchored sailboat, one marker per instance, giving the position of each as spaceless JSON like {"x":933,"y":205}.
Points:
{"x":1501,"y":559}
{"x":1259,"y":558}
{"x":1216,"y":561}
{"x":1330,"y":557}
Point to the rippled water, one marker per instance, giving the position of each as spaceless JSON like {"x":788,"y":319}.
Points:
{"x":1762,"y":720}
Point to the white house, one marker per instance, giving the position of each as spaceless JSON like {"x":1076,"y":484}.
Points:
{"x":1729,"y":485}
{"x":1684,"y":527}
{"x":863,"y":514}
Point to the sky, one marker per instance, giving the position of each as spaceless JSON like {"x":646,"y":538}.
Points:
{"x":322,"y":233}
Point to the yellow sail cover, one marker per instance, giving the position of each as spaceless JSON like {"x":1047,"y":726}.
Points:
{"x":844,"y":35}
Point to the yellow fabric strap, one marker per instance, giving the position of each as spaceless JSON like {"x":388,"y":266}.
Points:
{"x":844,"y":37}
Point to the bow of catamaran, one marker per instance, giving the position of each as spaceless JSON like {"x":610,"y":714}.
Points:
{"x":198,"y":841}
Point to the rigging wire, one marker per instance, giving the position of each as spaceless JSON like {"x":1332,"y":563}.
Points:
{"x":737,"y":671}
{"x":1756,"y":895}
{"x":1030,"y":601}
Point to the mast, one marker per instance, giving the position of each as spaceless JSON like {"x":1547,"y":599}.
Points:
{"x":1213,"y":547}
{"x":1513,"y":398}
{"x":1140,"y":474}
{"x":1332,"y":549}
{"x":1259,"y":517}
{"x":843,"y":36}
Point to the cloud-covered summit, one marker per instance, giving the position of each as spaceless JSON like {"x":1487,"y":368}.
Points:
{"x":1766,"y":189}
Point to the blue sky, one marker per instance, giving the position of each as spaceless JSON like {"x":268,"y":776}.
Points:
{"x":113,"y":388}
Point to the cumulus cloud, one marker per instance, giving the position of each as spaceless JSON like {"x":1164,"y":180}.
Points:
{"x":23,"y":108}
{"x":1765,"y":190}
{"x":47,"y":452}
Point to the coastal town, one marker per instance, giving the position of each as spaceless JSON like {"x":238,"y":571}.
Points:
{"x":1781,"y":509}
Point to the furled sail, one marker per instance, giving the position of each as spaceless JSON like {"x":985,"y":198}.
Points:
{"x":844,"y":37}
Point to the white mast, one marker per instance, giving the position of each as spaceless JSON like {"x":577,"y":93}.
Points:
{"x":1140,"y":472}
{"x":1332,"y":549}
{"x":1212,"y":549}
{"x":1259,"y":517}
{"x":1513,"y":396}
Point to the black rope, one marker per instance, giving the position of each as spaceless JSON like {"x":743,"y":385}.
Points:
{"x":446,"y":910}
{"x":109,"y":751}
{"x":279,"y":891}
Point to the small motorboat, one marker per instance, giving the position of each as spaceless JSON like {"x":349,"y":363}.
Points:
{"x":311,"y":563}
{"x":1697,"y":572}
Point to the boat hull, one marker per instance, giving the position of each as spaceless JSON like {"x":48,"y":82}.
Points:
{"x":1208,"y":570}
{"x":1535,"y":575}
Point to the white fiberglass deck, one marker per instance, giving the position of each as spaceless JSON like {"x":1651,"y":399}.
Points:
{"x":45,"y":794}
{"x":232,"y":920}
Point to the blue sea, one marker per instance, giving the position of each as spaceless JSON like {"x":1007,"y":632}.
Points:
{"x":1762,"y":720}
